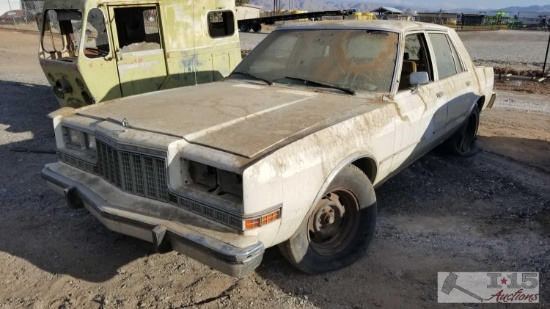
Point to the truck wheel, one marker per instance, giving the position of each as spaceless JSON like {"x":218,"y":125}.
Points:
{"x":257,"y":27}
{"x":464,"y":141}
{"x":244,"y":27}
{"x":340,"y":228}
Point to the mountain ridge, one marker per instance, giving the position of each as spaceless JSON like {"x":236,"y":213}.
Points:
{"x":361,"y":6}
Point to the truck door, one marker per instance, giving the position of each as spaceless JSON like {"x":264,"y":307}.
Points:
{"x":138,"y":47}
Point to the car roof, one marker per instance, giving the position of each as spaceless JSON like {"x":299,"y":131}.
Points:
{"x":386,"y":25}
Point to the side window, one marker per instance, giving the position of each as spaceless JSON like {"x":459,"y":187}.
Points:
{"x":221,"y":23}
{"x":446,"y":65}
{"x":137,"y":29}
{"x":459,"y":67}
{"x":97,"y":42}
{"x":415,"y":59}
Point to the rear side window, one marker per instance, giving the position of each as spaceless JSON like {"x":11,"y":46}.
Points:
{"x":221,"y":23}
{"x":446,"y":65}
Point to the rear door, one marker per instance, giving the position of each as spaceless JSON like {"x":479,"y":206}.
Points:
{"x":456,"y":82}
{"x":138,"y":48}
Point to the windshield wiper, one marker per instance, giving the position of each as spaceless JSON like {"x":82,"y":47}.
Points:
{"x":322,"y":84}
{"x":254,"y":76}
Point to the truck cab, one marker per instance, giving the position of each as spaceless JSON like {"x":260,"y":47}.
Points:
{"x":98,"y":50}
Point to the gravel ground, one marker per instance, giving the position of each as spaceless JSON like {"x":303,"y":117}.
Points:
{"x":490,"y":212}
{"x":521,"y":50}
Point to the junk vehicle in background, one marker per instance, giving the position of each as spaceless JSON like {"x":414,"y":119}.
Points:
{"x":286,"y":151}
{"x":15,"y":17}
{"x":97,"y":50}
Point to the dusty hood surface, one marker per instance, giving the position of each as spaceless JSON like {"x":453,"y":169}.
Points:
{"x":238,"y":117}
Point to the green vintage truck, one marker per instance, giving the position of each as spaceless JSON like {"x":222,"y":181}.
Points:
{"x":97,"y":50}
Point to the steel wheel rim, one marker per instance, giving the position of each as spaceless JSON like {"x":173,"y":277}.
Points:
{"x":333,"y":223}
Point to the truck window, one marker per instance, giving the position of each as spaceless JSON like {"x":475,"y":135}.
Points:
{"x":61,"y":34}
{"x":444,"y":59}
{"x":97,"y":41}
{"x":221,"y":23}
{"x":137,"y":29}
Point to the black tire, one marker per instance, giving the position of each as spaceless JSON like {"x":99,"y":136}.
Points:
{"x":244,"y":27}
{"x":257,"y":27}
{"x":340,"y":227}
{"x":464,"y":142}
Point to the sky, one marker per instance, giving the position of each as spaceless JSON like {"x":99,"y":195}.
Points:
{"x":473,"y":4}
{"x":446,"y":5}
{"x":5,"y":5}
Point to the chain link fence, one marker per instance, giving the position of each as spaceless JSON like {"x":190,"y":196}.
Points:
{"x":33,"y":7}
{"x":30,"y":11}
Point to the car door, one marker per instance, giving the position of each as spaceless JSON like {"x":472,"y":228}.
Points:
{"x":139,"y":49}
{"x":422,"y":109}
{"x":455,"y":80}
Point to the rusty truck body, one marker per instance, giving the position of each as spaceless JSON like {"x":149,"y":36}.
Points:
{"x":97,"y":50}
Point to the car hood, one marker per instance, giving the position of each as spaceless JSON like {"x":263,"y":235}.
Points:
{"x":242,"y":118}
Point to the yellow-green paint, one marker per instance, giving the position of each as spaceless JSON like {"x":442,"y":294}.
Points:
{"x":188,"y":55}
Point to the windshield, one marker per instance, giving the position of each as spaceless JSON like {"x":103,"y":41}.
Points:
{"x":355,"y":60}
{"x":61,"y":34}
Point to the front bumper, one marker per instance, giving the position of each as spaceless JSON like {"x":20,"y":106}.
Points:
{"x":163,"y":233}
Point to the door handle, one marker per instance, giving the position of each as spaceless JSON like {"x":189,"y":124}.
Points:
{"x":440,"y":94}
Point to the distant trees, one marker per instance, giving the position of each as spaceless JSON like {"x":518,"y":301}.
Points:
{"x":241,"y":2}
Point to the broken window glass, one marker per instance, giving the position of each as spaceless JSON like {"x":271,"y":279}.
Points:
{"x":137,"y":29}
{"x":61,"y":34}
{"x":97,"y":41}
{"x":221,"y":23}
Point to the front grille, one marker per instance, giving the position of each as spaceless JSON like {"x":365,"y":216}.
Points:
{"x":135,"y":173}
{"x":144,"y":175}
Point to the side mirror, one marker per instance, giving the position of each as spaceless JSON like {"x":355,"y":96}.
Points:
{"x":419,"y":78}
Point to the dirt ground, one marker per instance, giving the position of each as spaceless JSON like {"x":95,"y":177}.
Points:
{"x":490,"y":212}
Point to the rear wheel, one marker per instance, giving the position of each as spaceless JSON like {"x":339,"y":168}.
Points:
{"x":340,"y":227}
{"x":257,"y":27}
{"x":464,"y":141}
{"x":244,"y":27}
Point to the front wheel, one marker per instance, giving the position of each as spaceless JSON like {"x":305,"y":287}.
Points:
{"x":340,"y":227}
{"x":244,"y":27}
{"x":464,"y":141}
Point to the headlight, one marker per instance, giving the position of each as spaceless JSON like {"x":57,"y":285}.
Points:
{"x":73,"y":137}
{"x":226,"y":185}
{"x":216,"y":180}
{"x":79,"y":140}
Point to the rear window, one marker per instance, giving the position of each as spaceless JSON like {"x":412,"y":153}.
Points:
{"x":221,"y":23}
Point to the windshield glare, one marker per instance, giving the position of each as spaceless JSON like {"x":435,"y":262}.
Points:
{"x":360,"y":60}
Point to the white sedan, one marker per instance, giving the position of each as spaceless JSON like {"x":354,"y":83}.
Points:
{"x":286,"y":151}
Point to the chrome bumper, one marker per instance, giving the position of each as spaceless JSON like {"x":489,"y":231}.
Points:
{"x":226,"y":258}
